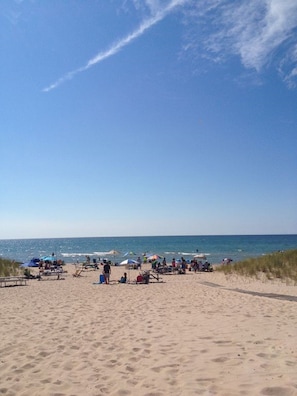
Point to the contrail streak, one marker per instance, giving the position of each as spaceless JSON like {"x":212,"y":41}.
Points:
{"x":148,"y":23}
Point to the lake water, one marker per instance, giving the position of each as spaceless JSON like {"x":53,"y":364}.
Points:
{"x":216,"y":248}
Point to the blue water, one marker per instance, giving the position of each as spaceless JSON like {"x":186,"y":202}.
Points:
{"x":215,"y":247}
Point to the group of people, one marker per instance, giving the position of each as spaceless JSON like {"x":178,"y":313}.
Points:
{"x":200,"y":266}
{"x":180,"y":266}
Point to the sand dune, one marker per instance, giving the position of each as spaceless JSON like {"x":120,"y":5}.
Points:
{"x":194,"y":334}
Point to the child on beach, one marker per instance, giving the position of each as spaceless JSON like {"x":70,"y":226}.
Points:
{"x":123,"y":278}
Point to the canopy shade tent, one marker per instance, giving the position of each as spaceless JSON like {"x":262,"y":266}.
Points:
{"x":34,"y":262}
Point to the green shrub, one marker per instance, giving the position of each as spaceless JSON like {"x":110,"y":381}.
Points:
{"x":280,"y":265}
{"x":9,"y":267}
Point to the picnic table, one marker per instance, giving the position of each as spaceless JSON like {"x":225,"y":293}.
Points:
{"x":48,"y":274}
{"x":13,"y":281}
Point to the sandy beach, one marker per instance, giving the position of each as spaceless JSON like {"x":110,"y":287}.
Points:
{"x":193,"y":334}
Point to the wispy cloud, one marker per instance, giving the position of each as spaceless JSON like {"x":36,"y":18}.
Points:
{"x":158,"y":14}
{"x":260,"y":32}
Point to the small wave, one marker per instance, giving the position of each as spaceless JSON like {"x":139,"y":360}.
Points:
{"x":193,"y":253}
{"x":78,"y":254}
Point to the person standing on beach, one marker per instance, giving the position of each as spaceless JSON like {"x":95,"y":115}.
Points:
{"x":139,"y":263}
{"x":106,"y":272}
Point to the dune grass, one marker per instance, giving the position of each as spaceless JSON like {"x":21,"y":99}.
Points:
{"x":9,"y":267}
{"x":280,"y":265}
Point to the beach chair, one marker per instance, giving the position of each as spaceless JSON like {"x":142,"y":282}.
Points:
{"x":155,"y":278}
{"x":144,"y":277}
{"x":77,"y":272}
{"x":207,"y":267}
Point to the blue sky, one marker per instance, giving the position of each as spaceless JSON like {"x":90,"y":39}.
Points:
{"x":153,"y":117}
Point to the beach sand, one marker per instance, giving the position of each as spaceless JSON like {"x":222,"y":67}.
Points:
{"x":194,"y":334}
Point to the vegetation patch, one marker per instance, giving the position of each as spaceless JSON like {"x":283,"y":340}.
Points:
{"x":280,"y":265}
{"x":9,"y":267}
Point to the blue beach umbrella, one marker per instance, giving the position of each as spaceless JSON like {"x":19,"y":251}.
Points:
{"x":47,"y":258}
{"x":128,"y":261}
{"x":154,"y":257}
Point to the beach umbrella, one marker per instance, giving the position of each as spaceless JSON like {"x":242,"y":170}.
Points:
{"x":130,"y":254}
{"x":227,"y":260}
{"x":113,"y":252}
{"x":200,"y":256}
{"x":154,"y":257}
{"x":128,"y":261}
{"x":47,"y":258}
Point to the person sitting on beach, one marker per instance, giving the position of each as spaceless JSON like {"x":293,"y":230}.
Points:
{"x":139,"y":278}
{"x":146,"y":277}
{"x":143,"y":278}
{"x":28,"y":275}
{"x":195,"y":266}
{"x":123,"y":278}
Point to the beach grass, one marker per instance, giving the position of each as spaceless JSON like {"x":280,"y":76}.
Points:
{"x":9,"y":267}
{"x":279,"y":265}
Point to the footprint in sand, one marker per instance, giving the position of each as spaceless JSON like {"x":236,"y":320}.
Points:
{"x":220,"y":359}
{"x":277,"y":391}
{"x":75,"y":347}
{"x":123,"y":392}
{"x":46,"y":381}
{"x":267,"y":355}
{"x":290,"y":364}
{"x":130,"y":369}
{"x":223,"y":342}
